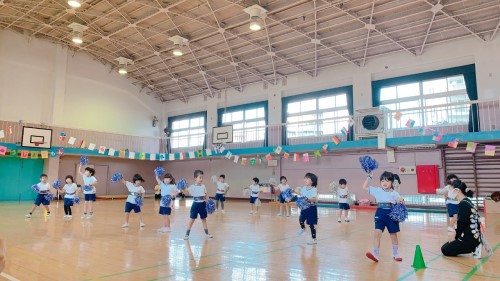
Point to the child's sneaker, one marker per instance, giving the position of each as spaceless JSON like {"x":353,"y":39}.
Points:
{"x":186,"y":237}
{"x":164,"y":229}
{"x":371,"y":256}
{"x":49,"y":214}
{"x":142,"y":224}
{"x":347,"y":220}
{"x":209,"y":235}
{"x":28,"y":215}
{"x":70,"y":216}
{"x":477,"y":253}
{"x":312,"y":241}
{"x":339,"y":221}
{"x":125,"y":225}
{"x":300,"y":231}
{"x":223,"y":211}
{"x":398,"y":258}
{"x":279,"y":214}
{"x":65,"y":216}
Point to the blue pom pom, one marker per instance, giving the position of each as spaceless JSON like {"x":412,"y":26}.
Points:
{"x":288,"y":195}
{"x":87,"y":188}
{"x":84,"y":160}
{"x":138,"y":200}
{"x":159,"y":171}
{"x":76,"y":200}
{"x":117,"y":177}
{"x":35,"y":188}
{"x":49,"y":197}
{"x":56,"y":184}
{"x":302,"y":203}
{"x":210,"y":206}
{"x":182,"y":184}
{"x":368,"y":164}
{"x":166,"y":200}
{"x":399,"y":213}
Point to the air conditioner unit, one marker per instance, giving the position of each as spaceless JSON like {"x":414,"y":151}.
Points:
{"x":369,"y":123}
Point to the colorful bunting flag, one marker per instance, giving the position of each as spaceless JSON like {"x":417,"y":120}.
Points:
{"x":200,"y":153}
{"x":131,"y":155}
{"x":91,"y":146}
{"x":336,"y":140}
{"x":34,"y":155}
{"x":60,"y":151}
{"x":171,"y":157}
{"x":3,"y":150}
{"x":111,"y":152}
{"x":305,"y":157}
{"x":181,"y":155}
{"x":471,"y":147}
{"x":152,"y":157}
{"x":261,"y":160}
{"x":2,"y":134}
{"x":243,"y":161}
{"x":10,"y":130}
{"x":410,"y":123}
{"x":286,"y":155}
{"x":295,"y":157}
{"x":24,"y":153}
{"x":397,"y":116}
{"x":489,"y":150}
{"x":453,"y":143}
{"x":84,"y":144}
{"x":208,"y":152}
{"x":278,"y":149}
{"x":44,"y":154}
{"x":269,"y":156}
{"x":317,"y":154}
{"x":253,"y":162}
{"x":62,"y":136}
{"x":13,"y":153}
{"x":162,"y":156}
{"x":325,"y":148}
{"x":437,"y":136}
{"x":344,"y":131}
{"x":236,"y":158}
{"x":102,"y":149}
{"x":72,"y":140}
{"x":191,"y":155}
{"x":53,"y":154}
{"x":229,"y":154}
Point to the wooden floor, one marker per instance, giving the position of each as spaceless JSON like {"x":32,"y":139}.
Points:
{"x":244,"y":247}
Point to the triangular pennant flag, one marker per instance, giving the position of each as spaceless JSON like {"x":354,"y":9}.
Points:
{"x":253,"y":162}
{"x":91,"y":146}
{"x":44,"y":154}
{"x":13,"y":153}
{"x":152,"y":157}
{"x":305,"y":157}
{"x":437,"y":136}
{"x":131,"y":155}
{"x":121,"y":154}
{"x":2,"y":134}
{"x":162,"y":156}
{"x":181,"y":155}
{"x":344,"y":131}
{"x":142,"y":156}
{"x":397,"y":116}
{"x":317,"y":154}
{"x":295,"y":157}
{"x":325,"y":148}
{"x":489,"y":150}
{"x":471,"y":147}
{"x":453,"y":143}
{"x":3,"y":150}
{"x":208,"y":152}
{"x":236,"y":159}
{"x":335,"y":140}
{"x":191,"y":155}
{"x":111,"y":152}
{"x":171,"y":157}
{"x":24,"y":153}
{"x":102,"y":149}
{"x":243,"y":161}
{"x":269,"y":156}
{"x":34,"y":154}
{"x":72,"y":140}
{"x":229,"y":154}
{"x":278,"y":150}
{"x":286,"y":155}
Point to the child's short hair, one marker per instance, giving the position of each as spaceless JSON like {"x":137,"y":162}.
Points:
{"x":387,"y":176}
{"x":450,"y":177}
{"x":137,"y":177}
{"x":169,"y":176}
{"x":313,"y":178}
{"x":256,"y":180}
{"x":198,"y":173}
{"x":283,"y":178}
{"x":91,"y":170}
{"x":222,"y":176}
{"x":43,"y":175}
{"x":342,"y":181}
{"x":69,"y":177}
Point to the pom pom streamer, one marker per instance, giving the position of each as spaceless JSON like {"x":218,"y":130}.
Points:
{"x":159,"y":171}
{"x":246,"y":192}
{"x":76,"y":200}
{"x":368,"y":164}
{"x":181,"y":185}
{"x":399,"y":213}
{"x":117,"y":177}
{"x":210,"y":206}
{"x":84,"y":160}
{"x":56,"y":184}
{"x":288,"y":195}
{"x":49,"y":197}
{"x":302,"y":203}
{"x":138,"y":200}
{"x":87,"y":188}
{"x":166,"y":200}
{"x":35,"y":188}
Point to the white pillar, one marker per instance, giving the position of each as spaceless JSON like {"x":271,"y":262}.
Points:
{"x":60,"y":70}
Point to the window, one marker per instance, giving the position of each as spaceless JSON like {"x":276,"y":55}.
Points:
{"x":187,"y":131}
{"x":426,"y":101}
{"x":249,"y":122}
{"x":318,"y":116}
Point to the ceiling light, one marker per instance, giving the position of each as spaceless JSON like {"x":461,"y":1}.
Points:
{"x":78,"y":30}
{"x":178,"y":43}
{"x":256,"y":13}
{"x":74,"y":3}
{"x":122,"y":69}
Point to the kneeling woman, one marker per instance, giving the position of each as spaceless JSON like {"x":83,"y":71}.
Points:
{"x":468,"y":232}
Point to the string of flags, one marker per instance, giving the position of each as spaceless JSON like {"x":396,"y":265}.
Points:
{"x":489,"y":150}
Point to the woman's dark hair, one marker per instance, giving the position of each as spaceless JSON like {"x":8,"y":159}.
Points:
{"x":91,"y":170}
{"x":342,"y":181}
{"x":69,"y":177}
{"x":396,"y":178}
{"x":169,"y":176}
{"x":313,"y":178}
{"x":450,"y":178}
{"x":463,"y":188}
{"x":256,"y":180}
{"x":282,"y":178}
{"x":387,"y":176}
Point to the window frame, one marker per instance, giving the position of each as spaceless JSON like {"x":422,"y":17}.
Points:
{"x":244,"y":107}
{"x":173,"y":119}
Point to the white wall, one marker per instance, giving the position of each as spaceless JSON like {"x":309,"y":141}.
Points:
{"x":41,"y":82}
{"x":486,"y":56}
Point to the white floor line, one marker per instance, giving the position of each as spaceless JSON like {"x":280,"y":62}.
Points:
{"x":8,"y":277}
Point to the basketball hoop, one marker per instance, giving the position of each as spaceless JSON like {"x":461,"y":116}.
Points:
{"x":37,"y":144}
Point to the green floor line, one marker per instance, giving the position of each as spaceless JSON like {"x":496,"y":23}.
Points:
{"x":483,"y":260}
{"x":415,"y":270}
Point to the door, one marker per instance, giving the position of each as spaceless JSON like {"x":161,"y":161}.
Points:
{"x":101,"y":174}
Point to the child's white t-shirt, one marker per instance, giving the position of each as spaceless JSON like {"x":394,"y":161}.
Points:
{"x":197,"y":190}
{"x":133,"y":189}
{"x":383,"y":196}
{"x":342,"y":194}
{"x":311,"y":192}
{"x":221,"y":187}
{"x":283,"y":187}
{"x":167,"y":189}
{"x":87,"y":181}
{"x":43,"y":188}
{"x":70,"y":190}
{"x":255,"y":190}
